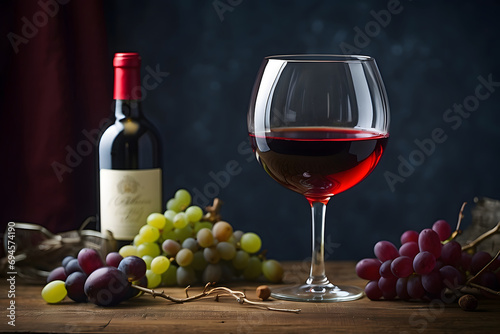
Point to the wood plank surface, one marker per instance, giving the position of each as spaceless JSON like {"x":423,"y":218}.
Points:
{"x":148,"y":315}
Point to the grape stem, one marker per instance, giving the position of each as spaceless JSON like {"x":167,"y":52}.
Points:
{"x":483,"y":236}
{"x":218,"y":291}
{"x":213,"y":214}
{"x":460,"y":217}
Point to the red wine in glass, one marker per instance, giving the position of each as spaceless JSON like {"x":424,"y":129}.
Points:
{"x":318,"y":162}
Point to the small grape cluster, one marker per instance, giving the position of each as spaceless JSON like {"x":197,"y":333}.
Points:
{"x":426,"y":266}
{"x":184,"y":246}
{"x":88,"y":278}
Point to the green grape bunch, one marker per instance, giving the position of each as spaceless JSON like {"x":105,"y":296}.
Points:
{"x":184,"y":246}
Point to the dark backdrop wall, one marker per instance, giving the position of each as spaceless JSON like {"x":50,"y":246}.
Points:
{"x":433,"y":56}
{"x":439,"y":61}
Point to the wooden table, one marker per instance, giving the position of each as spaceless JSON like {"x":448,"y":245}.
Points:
{"x":148,"y":315}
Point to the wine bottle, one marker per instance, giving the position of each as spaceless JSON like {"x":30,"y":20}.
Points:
{"x":130,"y":176}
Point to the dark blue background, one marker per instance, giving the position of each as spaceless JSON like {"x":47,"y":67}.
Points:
{"x":430,"y":54}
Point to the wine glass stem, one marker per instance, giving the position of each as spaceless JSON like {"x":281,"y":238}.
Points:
{"x":317,"y":275}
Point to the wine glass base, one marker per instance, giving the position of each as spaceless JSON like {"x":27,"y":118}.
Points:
{"x":329,"y":293}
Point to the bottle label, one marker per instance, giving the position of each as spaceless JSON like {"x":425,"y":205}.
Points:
{"x":127,"y":199}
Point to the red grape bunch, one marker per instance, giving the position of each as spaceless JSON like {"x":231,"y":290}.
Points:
{"x":426,"y":266}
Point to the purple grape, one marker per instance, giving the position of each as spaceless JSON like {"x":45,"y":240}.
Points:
{"x":385,"y":269}
{"x":451,"y":253}
{"x":388,"y":287}
{"x":495,"y":265}
{"x":424,"y":263}
{"x":368,"y":269}
{"x":133,"y":267}
{"x":451,"y":277}
{"x":57,"y":274}
{"x":479,"y":260}
{"x":171,"y":247}
{"x":401,"y":288}
{"x":409,"y":236}
{"x":74,"y":285}
{"x":432,"y":282}
{"x":66,"y":260}
{"x":402,"y":266}
{"x":89,"y":260}
{"x":372,"y":290}
{"x":428,"y":240}
{"x":106,"y":286}
{"x":466,"y":261}
{"x":385,"y":250}
{"x":113,"y":259}
{"x":489,"y":280}
{"x":442,"y":228}
{"x":414,"y":287}
{"x":409,"y":249}
{"x":72,"y":266}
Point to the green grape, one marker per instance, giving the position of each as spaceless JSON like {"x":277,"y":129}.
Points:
{"x":165,"y":235}
{"x":157,"y":220}
{"x":240,"y":260}
{"x":199,"y":263}
{"x":169,"y":223}
{"x":54,"y":292}
{"x":181,"y":220}
{"x":182,"y":234}
{"x":169,"y":277}
{"x":212,"y":273}
{"x":272,"y":270}
{"x":199,"y":225}
{"x":250,"y":242}
{"x":211,"y":255}
{"x":205,"y":237}
{"x":183,"y":197}
{"x":185,"y":276}
{"x":128,"y":250}
{"x":138,"y":239}
{"x":184,"y":257}
{"x":174,"y":205}
{"x":149,"y":233}
{"x":148,"y":259}
{"x":194,"y":213}
{"x":160,"y":264}
{"x":253,"y":269}
{"x":153,"y":279}
{"x":226,"y":250}
{"x":148,"y":248}
{"x":222,"y":230}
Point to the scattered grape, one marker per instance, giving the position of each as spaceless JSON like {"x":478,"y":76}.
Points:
{"x":54,"y":292}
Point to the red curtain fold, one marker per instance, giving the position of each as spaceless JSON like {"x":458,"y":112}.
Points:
{"x":56,"y":89}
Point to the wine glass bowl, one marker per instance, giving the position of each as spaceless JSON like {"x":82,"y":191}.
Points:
{"x":318,"y":125}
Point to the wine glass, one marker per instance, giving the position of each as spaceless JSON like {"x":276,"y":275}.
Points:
{"x":318,"y":125}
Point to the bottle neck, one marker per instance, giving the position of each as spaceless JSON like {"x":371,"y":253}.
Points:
{"x":130,"y":109}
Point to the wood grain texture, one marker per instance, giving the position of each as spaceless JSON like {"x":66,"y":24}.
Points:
{"x":148,"y":315}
